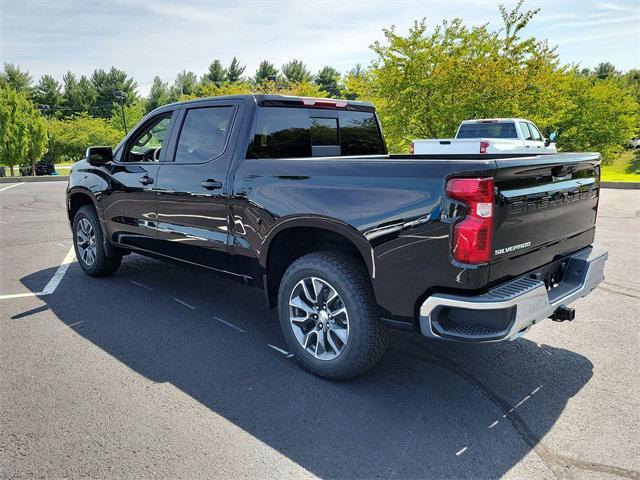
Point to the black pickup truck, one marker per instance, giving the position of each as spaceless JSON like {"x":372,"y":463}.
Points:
{"x":299,"y":197}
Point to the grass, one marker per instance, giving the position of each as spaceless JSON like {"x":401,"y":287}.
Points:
{"x":619,"y":170}
{"x":63,"y":168}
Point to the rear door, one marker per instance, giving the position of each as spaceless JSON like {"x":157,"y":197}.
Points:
{"x":545,"y":209}
{"x":192,"y":188}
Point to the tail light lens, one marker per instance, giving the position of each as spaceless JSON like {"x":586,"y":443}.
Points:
{"x":472,"y":235}
{"x":412,"y":149}
{"x":483,"y":147}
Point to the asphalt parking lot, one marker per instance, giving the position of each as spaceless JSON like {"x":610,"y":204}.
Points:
{"x":166,"y":371}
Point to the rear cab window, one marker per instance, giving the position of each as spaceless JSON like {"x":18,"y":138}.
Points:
{"x":295,"y":132}
{"x":489,"y":129}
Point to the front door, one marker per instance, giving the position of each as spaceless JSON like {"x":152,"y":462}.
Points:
{"x":130,"y":206}
{"x":192,"y":188}
{"x":537,"y":139}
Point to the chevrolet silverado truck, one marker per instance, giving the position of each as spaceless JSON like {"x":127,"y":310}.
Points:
{"x":299,"y":197}
{"x":494,"y":135}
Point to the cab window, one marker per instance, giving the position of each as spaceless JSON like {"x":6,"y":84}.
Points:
{"x":535,"y":133}
{"x":147,"y":145}
{"x":526,"y":133}
{"x":204,"y":134}
{"x":302,"y":133}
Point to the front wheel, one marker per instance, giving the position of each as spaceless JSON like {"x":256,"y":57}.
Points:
{"x":88,"y":242}
{"x":328,"y":315}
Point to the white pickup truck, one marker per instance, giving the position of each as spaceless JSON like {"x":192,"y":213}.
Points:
{"x":490,"y":136}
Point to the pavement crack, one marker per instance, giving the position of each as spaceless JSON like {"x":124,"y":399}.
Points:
{"x":617,"y":292}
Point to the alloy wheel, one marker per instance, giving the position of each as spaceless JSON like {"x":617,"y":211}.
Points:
{"x":86,"y":241}
{"x":319,"y":318}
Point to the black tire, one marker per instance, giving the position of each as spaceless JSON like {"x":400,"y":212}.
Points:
{"x":102,"y":265}
{"x":365,"y":344}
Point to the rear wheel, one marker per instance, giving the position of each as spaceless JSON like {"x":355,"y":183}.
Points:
{"x":329,"y":316}
{"x":88,"y":242}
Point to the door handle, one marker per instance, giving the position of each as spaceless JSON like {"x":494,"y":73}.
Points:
{"x":211,"y":184}
{"x":146,"y":180}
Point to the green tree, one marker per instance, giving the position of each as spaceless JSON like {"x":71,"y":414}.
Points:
{"x":70,"y":137}
{"x":186,"y":83}
{"x":357,"y":71}
{"x":425,"y":83}
{"x":216,"y":73}
{"x":78,"y":95}
{"x":23,"y":136}
{"x":235,"y":71}
{"x":38,"y":139}
{"x":601,"y":116}
{"x":106,"y":84}
{"x":265,"y":70}
{"x":159,"y":94}
{"x":296,"y":71}
{"x":605,"y":70}
{"x":47,"y":92}
{"x":328,"y":79}
{"x":15,"y":78}
{"x":133,"y":114}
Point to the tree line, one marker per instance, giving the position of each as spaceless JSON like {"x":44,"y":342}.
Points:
{"x":423,"y":84}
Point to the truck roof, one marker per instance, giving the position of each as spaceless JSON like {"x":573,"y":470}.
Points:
{"x":487,"y":120}
{"x":260,"y":98}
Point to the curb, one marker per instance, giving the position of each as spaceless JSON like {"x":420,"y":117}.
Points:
{"x":44,"y":178}
{"x":621,"y":185}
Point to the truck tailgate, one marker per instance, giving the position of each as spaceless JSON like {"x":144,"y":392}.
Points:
{"x":546,"y":208}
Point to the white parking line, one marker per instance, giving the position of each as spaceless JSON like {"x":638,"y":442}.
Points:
{"x":522,"y":401}
{"x":228,"y":324}
{"x":10,"y":186}
{"x":57,"y":277}
{"x":141,"y":285}
{"x":19,"y":295}
{"x":73,"y":324}
{"x":53,"y":283}
{"x":185,"y":304}
{"x":461,"y":451}
{"x":284,"y":352}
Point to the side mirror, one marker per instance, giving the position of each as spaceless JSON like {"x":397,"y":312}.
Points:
{"x":99,"y":155}
{"x":553,"y":136}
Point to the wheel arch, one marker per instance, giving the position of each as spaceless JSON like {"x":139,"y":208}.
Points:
{"x":77,"y":198}
{"x":298,"y":236}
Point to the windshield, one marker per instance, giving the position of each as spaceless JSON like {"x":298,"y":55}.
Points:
{"x":487,"y":130}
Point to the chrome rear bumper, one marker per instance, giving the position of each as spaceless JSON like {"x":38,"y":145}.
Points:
{"x":508,"y":310}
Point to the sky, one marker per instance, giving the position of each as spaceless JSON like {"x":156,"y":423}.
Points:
{"x":162,"y":37}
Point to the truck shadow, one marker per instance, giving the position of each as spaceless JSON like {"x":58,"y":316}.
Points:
{"x":427,"y":410}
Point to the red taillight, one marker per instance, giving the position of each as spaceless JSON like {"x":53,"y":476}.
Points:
{"x":472,"y":235}
{"x":324,"y":102}
{"x":412,"y":149}
{"x":483,"y":147}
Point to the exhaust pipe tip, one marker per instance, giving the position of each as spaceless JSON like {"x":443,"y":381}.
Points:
{"x":563,"y":313}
